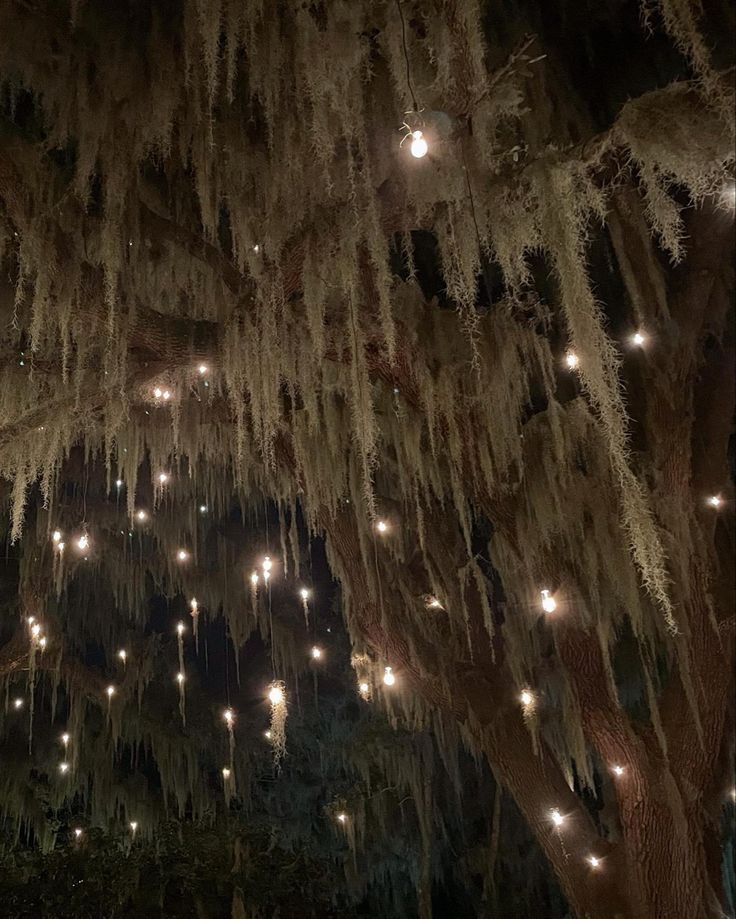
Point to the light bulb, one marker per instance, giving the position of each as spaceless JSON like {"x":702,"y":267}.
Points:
{"x":77,"y":832}
{"x":166,"y":395}
{"x":163,"y":478}
{"x":17,"y":703}
{"x":63,"y":767}
{"x":418,"y":144}
{"x":193,"y":604}
{"x":638,"y":339}
{"x":202,"y":508}
{"x":42,"y":642}
{"x":83,"y":542}
{"x":526,"y":697}
{"x":122,"y":654}
{"x":182,"y":555}
{"x":65,"y":739}
{"x":254,"y":578}
{"x":593,"y":861}
{"x":276,"y":695}
{"x":267,"y":735}
{"x":316,"y":653}
{"x":618,"y":770}
{"x":134,"y":825}
{"x":572,"y":360}
{"x":180,"y":678}
{"x":119,"y":483}
{"x":342,"y":817}
{"x":434,"y":603}
{"x":202,"y":369}
{"x":715,"y":501}
{"x":267,"y":564}
{"x":141,"y":515}
{"x":225,"y":772}
{"x":363,"y":689}
{"x":556,"y":817}
{"x":35,"y":630}
{"x":228,"y":716}
{"x":179,"y":628}
{"x":549,"y":604}
{"x":30,"y":620}
{"x":110,"y":691}
{"x":157,"y":393}
{"x":61,"y":546}
{"x":304,"y":593}
{"x":388,"y":677}
{"x":56,"y":536}
{"x":382,"y":526}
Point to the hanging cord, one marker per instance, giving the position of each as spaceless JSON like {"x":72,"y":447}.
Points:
{"x":406,"y":58}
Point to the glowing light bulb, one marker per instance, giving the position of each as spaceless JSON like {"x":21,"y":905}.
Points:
{"x":42,"y":642}
{"x":65,"y":739}
{"x":593,"y":861}
{"x":61,"y":546}
{"x":35,"y":630}
{"x":110,"y":691}
{"x":254,"y":578}
{"x":267,"y":735}
{"x":157,"y":393}
{"x":77,"y":832}
{"x":193,"y":604}
{"x":638,"y":339}
{"x":56,"y":536}
{"x":556,"y":817}
{"x":363,"y":688}
{"x":618,"y":770}
{"x":434,"y":603}
{"x":526,"y":697}
{"x":30,"y":620}
{"x":229,"y":716}
{"x":267,"y":564}
{"x":63,"y":767}
{"x":166,"y":395}
{"x":388,"y":677}
{"x":304,"y":593}
{"x":382,"y":526}
{"x":123,"y":655}
{"x":225,"y":772}
{"x":83,"y":542}
{"x":134,"y":825}
{"x":256,"y":248}
{"x":202,"y":508}
{"x":180,"y":678}
{"x":418,"y":145}
{"x":179,"y":628}
{"x":715,"y":501}
{"x":182,"y":555}
{"x":342,"y":817}
{"x":276,"y":695}
{"x":549,"y":604}
{"x":202,"y":369}
{"x":572,"y":360}
{"x":119,"y":483}
{"x":17,"y":703}
{"x":163,"y":478}
{"x":316,"y":653}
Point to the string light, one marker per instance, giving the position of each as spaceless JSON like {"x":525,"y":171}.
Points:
{"x":141,"y":515}
{"x":304,"y":593}
{"x":225,"y":773}
{"x":180,"y":677}
{"x":179,"y":628}
{"x":527,"y":698}
{"x":593,"y":861}
{"x":42,"y":642}
{"x":133,"y":825}
{"x":56,"y":536}
{"x":182,"y":555}
{"x":157,"y":393}
{"x":638,"y":339}
{"x":65,"y":739}
{"x":618,"y":770}
{"x":63,"y":768}
{"x":83,"y":542}
{"x":364,"y":689}
{"x":382,"y":526}
{"x":35,"y":630}
{"x":276,"y":695}
{"x":17,"y":703}
{"x":166,"y":395}
{"x":715,"y":501}
{"x":342,"y":817}
{"x":388,"y":677}
{"x":434,"y":603}
{"x":316,"y":653}
{"x":254,"y":579}
{"x":119,"y":483}
{"x":267,"y":735}
{"x":418,"y":146}
{"x":77,"y":832}
{"x":60,"y":546}
{"x":163,"y":478}
{"x":202,"y":508}
{"x":556,"y":817}
{"x":572,"y":360}
{"x":549,"y":604}
{"x":277,"y":728}
{"x":229,"y":716}
{"x":123,"y":655}
{"x":110,"y":691}
{"x":202,"y":369}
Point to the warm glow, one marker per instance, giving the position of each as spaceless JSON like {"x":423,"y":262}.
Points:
{"x":157,"y":392}
{"x":133,"y":825}
{"x":83,"y":542}
{"x":715,"y":501}
{"x":180,"y":678}
{"x":56,"y":536}
{"x":42,"y":642}
{"x":166,"y":395}
{"x":572,"y":360}
{"x":63,"y":767}
{"x":202,"y":369}
{"x":35,"y":630}
{"x":119,"y":483}
{"x":526,"y":697}
{"x":179,"y":628}
{"x":254,"y":578}
{"x":17,"y":703}
{"x":110,"y":691}
{"x":163,"y":478}
{"x":364,"y":688}
{"x":304,"y":593}
{"x":77,"y":832}
{"x":418,"y":145}
{"x":316,"y":653}
{"x":549,"y":604}
{"x":182,"y":555}
{"x":229,"y":716}
{"x":618,"y":770}
{"x":225,"y":772}
{"x":267,"y":735}
{"x":276,"y":695}
{"x":267,"y":563}
{"x":556,"y":817}
{"x":638,"y":339}
{"x":342,"y":817}
{"x":388,"y":677}
{"x":65,"y":739}
{"x":193,"y":604}
{"x":141,"y":515}
{"x":434,"y":603}
{"x":594,"y":862}
{"x":382,"y":526}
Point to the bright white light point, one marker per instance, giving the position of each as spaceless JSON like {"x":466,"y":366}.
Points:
{"x":180,"y":678}
{"x":228,"y":716}
{"x":572,"y":360}
{"x":122,"y":655}
{"x":418,"y":144}
{"x":202,"y":369}
{"x":715,"y":501}
{"x":254,"y":578}
{"x":638,"y":338}
{"x":304,"y":593}
{"x":256,"y":248}
{"x":618,"y":770}
{"x":166,"y":395}
{"x":193,"y":604}
{"x":594,"y":862}
{"x":119,"y":483}
{"x":526,"y":697}
{"x":179,"y":628}
{"x":83,"y":542}
{"x":225,"y":772}
{"x":363,"y":687}
{"x":110,"y":691}
{"x":77,"y":832}
{"x":56,"y":536}
{"x":202,"y":508}
{"x":388,"y":677}
{"x":557,"y":817}
{"x":276,"y":695}
{"x":157,"y":393}
{"x":342,"y":817}
{"x":382,"y":526}
{"x":61,"y":546}
{"x":65,"y":739}
{"x":63,"y":767}
{"x":17,"y":703}
{"x":549,"y":604}
{"x":42,"y":642}
{"x":267,"y":735}
{"x":133,"y":825}
{"x":141,"y":515}
{"x":267,"y":563}
{"x":182,"y":555}
{"x":35,"y":629}
{"x":316,"y":653}
{"x":163,"y":478}
{"x":30,"y":620}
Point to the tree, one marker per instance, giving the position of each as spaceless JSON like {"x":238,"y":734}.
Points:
{"x":515,"y":353}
